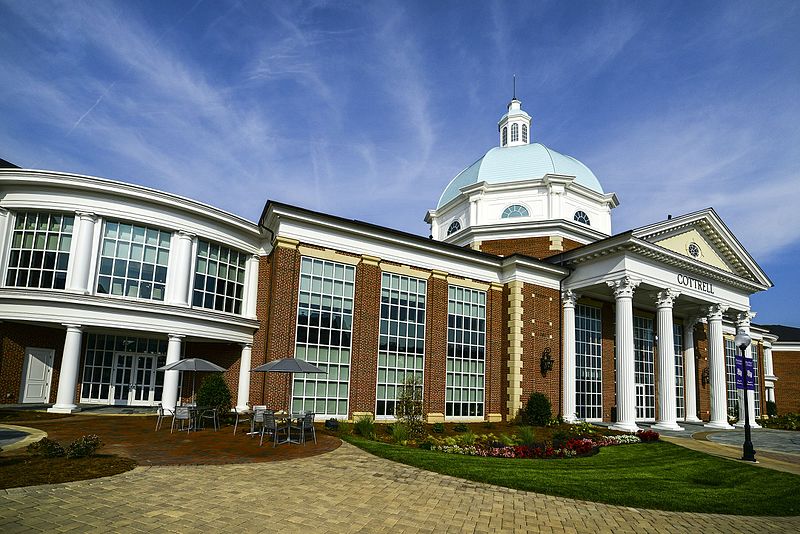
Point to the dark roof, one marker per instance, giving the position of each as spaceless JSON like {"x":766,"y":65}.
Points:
{"x":784,"y":333}
{"x":7,"y":164}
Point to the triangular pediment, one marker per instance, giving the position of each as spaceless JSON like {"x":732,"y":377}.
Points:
{"x":703,"y":238}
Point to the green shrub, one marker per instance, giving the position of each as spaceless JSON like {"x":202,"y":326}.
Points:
{"x":460,"y":427}
{"x":400,"y":433}
{"x":789,"y":421}
{"x":772,"y":409}
{"x":526,"y":436}
{"x":438,"y":428}
{"x":468,"y":438}
{"x":365,"y":426}
{"x":345,"y":428}
{"x":46,"y":448}
{"x":538,"y":411}
{"x":409,"y":410}
{"x":214,"y":393}
{"x":84,"y":446}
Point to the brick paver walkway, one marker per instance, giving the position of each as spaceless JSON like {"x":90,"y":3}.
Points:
{"x":346,"y":490}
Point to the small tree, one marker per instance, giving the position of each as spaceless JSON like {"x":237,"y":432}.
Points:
{"x":772,"y":409}
{"x":409,"y":411}
{"x":538,"y":411}
{"x":214,"y":393}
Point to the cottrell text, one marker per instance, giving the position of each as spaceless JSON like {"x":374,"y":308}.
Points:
{"x":694,"y":283}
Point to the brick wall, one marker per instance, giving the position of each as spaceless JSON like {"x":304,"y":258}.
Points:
{"x":435,"y":346}
{"x":703,"y":391}
{"x":259,"y":352}
{"x":786,"y":366}
{"x":608,"y":328}
{"x":536,"y":247}
{"x":14,"y":338}
{"x":495,"y":392}
{"x":541,"y":330}
{"x":366,"y":325}
{"x":227,"y":355}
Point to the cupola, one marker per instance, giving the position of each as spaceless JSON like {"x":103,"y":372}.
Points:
{"x":514,"y":126}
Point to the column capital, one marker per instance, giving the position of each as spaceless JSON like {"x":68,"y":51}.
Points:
{"x":3,"y":211}
{"x":666,"y":298}
{"x":185,"y":234}
{"x":715,"y":312}
{"x":86,"y":215}
{"x":246,"y":345}
{"x":743,"y":318}
{"x":176,"y":336}
{"x":71,"y":327}
{"x":623,"y":287}
{"x":569,"y":297}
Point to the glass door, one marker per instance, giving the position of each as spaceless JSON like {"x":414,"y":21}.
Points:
{"x":135,"y":379}
{"x":143,"y":387}
{"x":123,"y":373}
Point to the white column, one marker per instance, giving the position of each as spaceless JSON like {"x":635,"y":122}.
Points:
{"x":251,"y":287}
{"x":568,"y":411}
{"x":716,"y":369}
{"x":689,"y":372}
{"x":743,"y":321}
{"x":473,"y":210}
{"x":169,"y":395}
{"x":626,"y":382}
{"x":243,"y":396}
{"x":769,"y":372}
{"x":68,"y":374}
{"x":5,"y":220}
{"x":82,"y":258}
{"x":667,"y":410}
{"x":181,"y":268}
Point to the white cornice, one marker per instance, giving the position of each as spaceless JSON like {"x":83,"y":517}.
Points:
{"x":28,"y":177}
{"x":516,"y":229}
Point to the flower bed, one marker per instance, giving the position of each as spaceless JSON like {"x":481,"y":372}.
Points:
{"x":488,"y":445}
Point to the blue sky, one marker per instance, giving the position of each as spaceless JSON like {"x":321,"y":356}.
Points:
{"x":368,"y":109}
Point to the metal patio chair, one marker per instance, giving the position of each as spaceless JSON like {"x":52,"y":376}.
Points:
{"x":272,"y":426}
{"x":163,"y":413}
{"x":242,"y":416}
{"x":182,"y":414}
{"x":305,"y":424}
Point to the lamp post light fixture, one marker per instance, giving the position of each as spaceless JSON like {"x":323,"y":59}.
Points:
{"x":742,"y":341}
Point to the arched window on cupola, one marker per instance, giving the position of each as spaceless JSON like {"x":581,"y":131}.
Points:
{"x":514,"y":210}
{"x":524,"y":133}
{"x":454,"y":227}
{"x":514,"y":133}
{"x":505,"y":135}
{"x":581,"y":217}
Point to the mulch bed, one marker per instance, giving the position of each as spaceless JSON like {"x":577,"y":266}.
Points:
{"x":22,"y":470}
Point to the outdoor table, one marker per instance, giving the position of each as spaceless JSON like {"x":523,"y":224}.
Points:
{"x":289,"y":417}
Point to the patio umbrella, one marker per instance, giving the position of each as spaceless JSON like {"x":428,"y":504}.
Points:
{"x":287,"y":365}
{"x":192,"y":364}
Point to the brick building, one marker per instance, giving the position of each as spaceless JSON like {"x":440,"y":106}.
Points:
{"x":522,"y":287}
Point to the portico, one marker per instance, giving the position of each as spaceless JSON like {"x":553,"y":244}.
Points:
{"x":659,"y":295}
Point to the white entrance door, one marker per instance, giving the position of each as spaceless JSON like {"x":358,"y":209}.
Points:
{"x":37,"y":373}
{"x":134,"y":379}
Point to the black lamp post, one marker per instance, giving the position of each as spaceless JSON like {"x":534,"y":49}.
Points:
{"x":742,"y":341}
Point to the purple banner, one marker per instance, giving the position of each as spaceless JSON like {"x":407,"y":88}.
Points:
{"x":749,"y":374}
{"x":739,"y":372}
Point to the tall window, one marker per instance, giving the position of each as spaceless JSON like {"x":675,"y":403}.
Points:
{"x":644,"y":368}
{"x":401,"y":350}
{"x":454,"y":227}
{"x":39,"y":253}
{"x":114,"y":363}
{"x":524,"y":133}
{"x":133,"y":261}
{"x":514,"y":133}
{"x":730,"y":375}
{"x":219,"y":278}
{"x":677,"y":340}
{"x":756,"y":387}
{"x":505,"y":135}
{"x":324,"y":331}
{"x":588,"y":363}
{"x":466,"y":348}
{"x":514,"y":210}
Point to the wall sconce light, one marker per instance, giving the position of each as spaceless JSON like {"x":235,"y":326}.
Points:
{"x":546,"y":362}
{"x":705,"y":377}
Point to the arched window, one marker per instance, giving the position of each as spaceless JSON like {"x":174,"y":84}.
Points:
{"x":505,"y":135}
{"x":581,"y":217}
{"x":514,"y":133}
{"x":514,"y":210}
{"x":454,"y":227}
{"x":524,"y":133}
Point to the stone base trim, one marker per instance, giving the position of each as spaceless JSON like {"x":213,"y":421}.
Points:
{"x":435,"y":418}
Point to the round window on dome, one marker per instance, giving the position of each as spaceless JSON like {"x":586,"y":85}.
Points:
{"x":693,"y":249}
{"x":454,"y":227}
{"x":582,"y":218}
{"x":514,"y":210}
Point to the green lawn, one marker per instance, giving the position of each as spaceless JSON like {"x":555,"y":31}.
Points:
{"x":657,"y":475}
